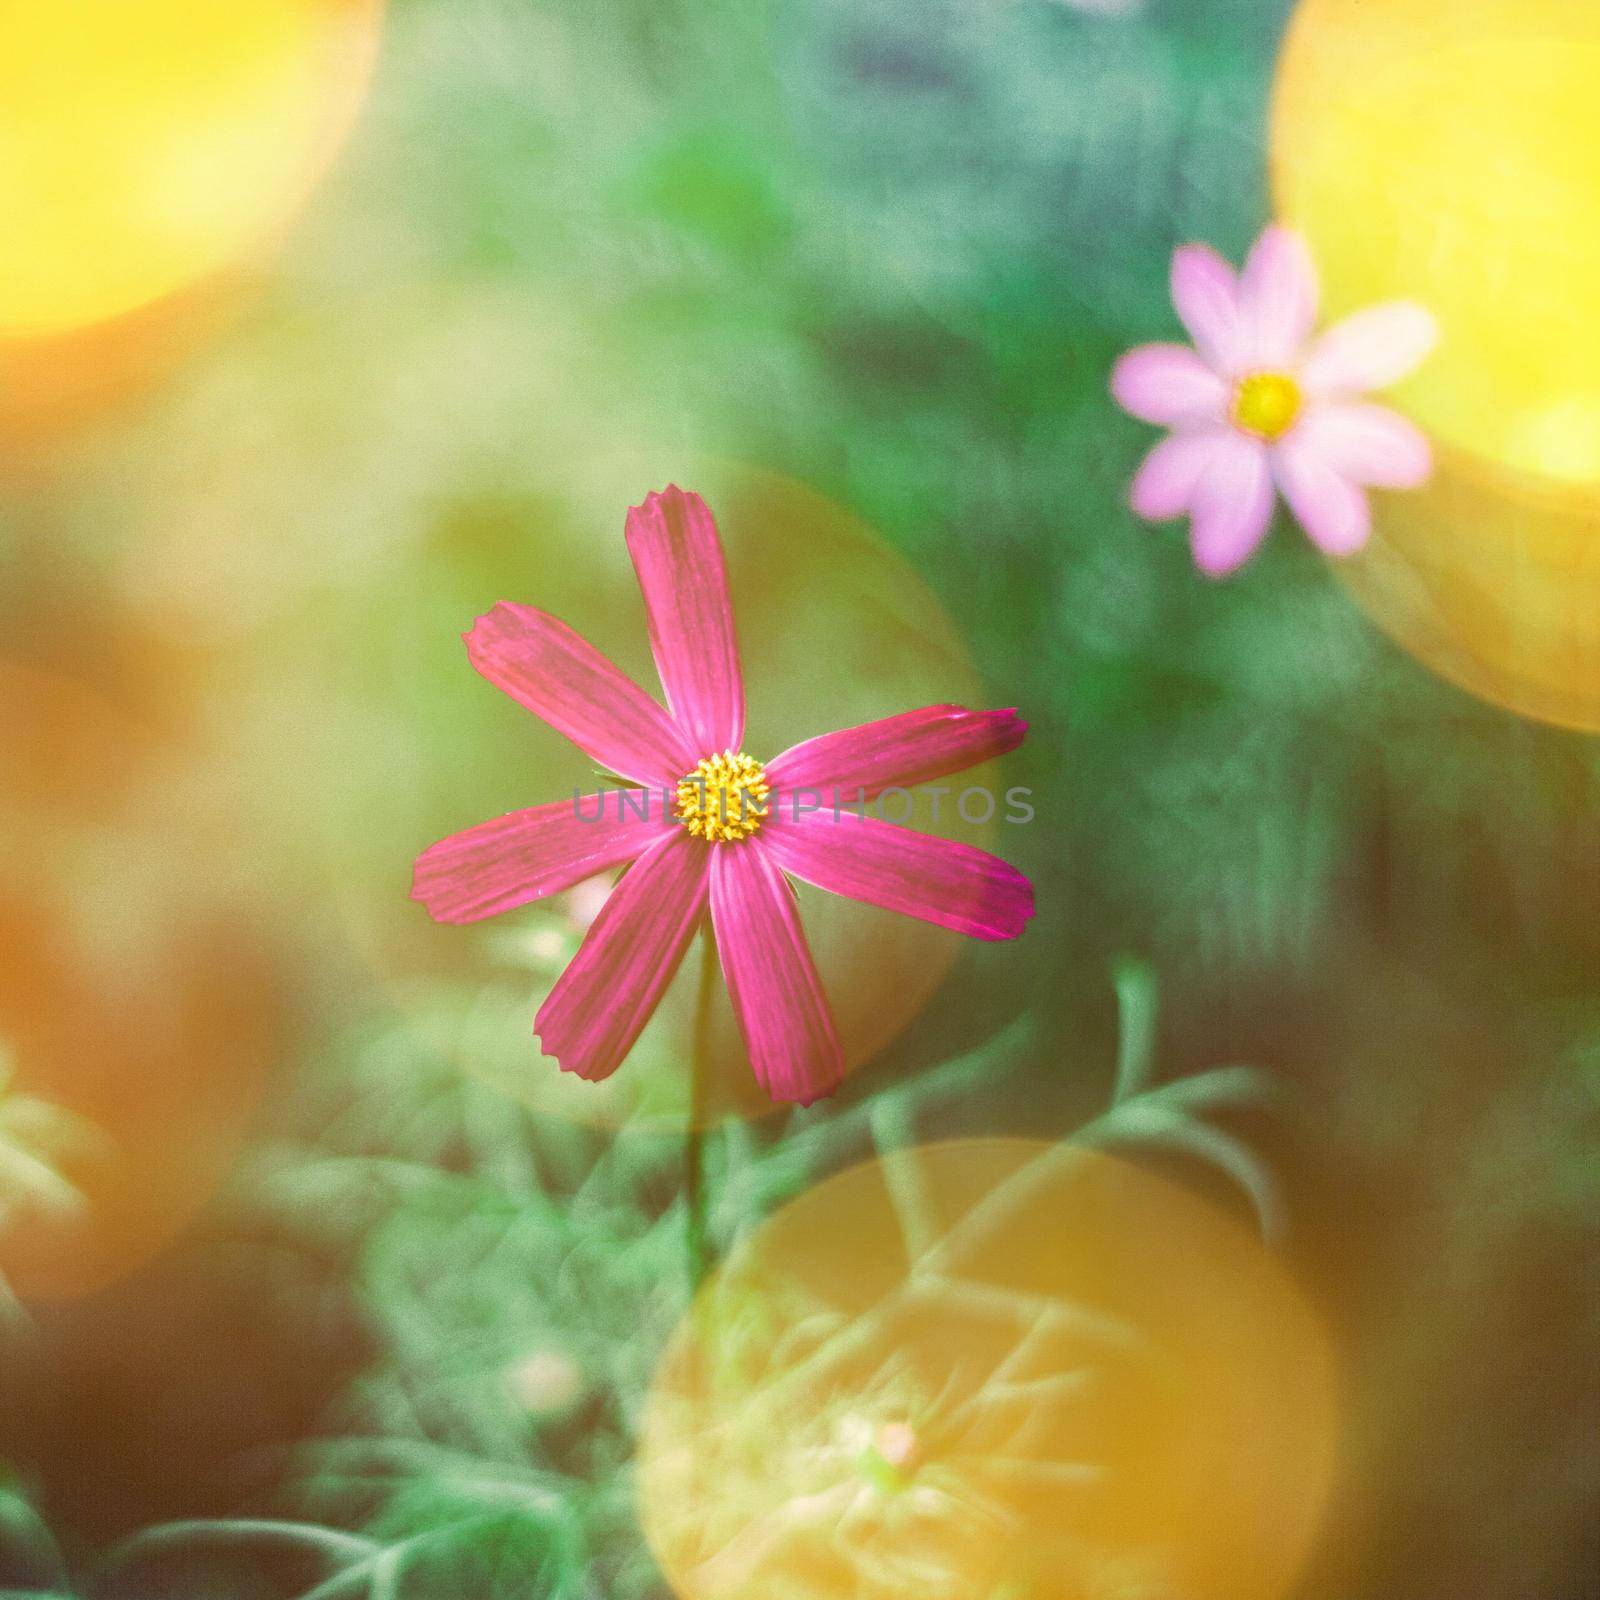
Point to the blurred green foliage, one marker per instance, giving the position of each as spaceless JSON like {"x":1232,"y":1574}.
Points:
{"x":521,"y":1277}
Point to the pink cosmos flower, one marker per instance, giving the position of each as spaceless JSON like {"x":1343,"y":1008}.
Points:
{"x":711,"y":827}
{"x":1258,"y":407}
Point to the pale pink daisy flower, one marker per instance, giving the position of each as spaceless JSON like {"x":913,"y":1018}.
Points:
{"x":1259,"y":407}
{"x":711,"y":830}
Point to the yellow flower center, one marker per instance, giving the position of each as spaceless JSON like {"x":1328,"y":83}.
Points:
{"x":724,"y":799}
{"x":1266,"y":404}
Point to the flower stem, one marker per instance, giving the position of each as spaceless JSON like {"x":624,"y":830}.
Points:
{"x":699,"y":1101}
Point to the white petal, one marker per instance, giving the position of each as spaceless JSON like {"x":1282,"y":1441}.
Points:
{"x":1368,"y":444}
{"x":1371,"y":350}
{"x":1167,"y":384}
{"x":1232,"y":505}
{"x":1205,"y":292}
{"x":1277,"y":299}
{"x":1165,"y":483}
{"x":1333,"y":510}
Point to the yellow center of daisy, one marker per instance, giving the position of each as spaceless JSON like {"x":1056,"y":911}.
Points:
{"x":724,"y":799}
{"x":1266,"y":404}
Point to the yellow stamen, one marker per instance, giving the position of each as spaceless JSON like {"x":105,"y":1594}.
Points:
{"x":724,"y":799}
{"x":1266,"y":404}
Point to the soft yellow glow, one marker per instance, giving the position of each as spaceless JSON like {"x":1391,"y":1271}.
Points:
{"x":991,"y":1368}
{"x":724,"y":799}
{"x":1494,"y":586}
{"x":143,"y":146}
{"x":1266,"y":404}
{"x":1459,"y":166}
{"x":1456,"y":161}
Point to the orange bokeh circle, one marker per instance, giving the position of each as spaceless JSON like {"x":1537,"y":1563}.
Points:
{"x":985,"y":1369}
{"x":1492,"y":579}
{"x":140,"y":1008}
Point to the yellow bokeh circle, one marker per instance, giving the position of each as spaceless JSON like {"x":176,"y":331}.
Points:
{"x":144,"y":146}
{"x":991,"y":1370}
{"x":1456,"y":162}
{"x":1459,"y":165}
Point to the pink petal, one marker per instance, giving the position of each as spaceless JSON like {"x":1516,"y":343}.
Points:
{"x":777,"y":996}
{"x":1368,"y":444}
{"x":1167,"y":384}
{"x":601,"y":1002}
{"x":561,"y":678}
{"x":1164,"y":485}
{"x":1232,"y":505}
{"x":916,"y":874}
{"x":902,"y":751}
{"x":1205,"y":292}
{"x":1333,"y":511}
{"x":1277,"y":299}
{"x":526,"y":855}
{"x":1371,"y":350}
{"x":673,"y":540}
